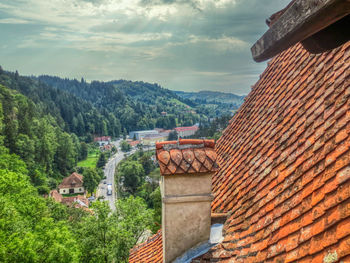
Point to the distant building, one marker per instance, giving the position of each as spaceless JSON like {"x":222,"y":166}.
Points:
{"x":106,"y":147}
{"x":139,"y":135}
{"x":186,"y":131}
{"x":163,"y":113}
{"x":133,"y":143}
{"x":103,"y":140}
{"x":72,"y":184}
{"x":78,"y":201}
{"x":152,"y":139}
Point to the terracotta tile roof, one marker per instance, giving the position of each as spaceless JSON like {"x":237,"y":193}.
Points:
{"x":56,"y":195}
{"x":79,"y":201}
{"x":74,"y":180}
{"x":150,"y":251}
{"x":103,"y":138}
{"x":284,"y":161}
{"x":133,"y":143}
{"x":190,"y":128}
{"x":186,"y":156}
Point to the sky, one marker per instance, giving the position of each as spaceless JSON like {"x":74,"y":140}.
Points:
{"x":188,"y":45}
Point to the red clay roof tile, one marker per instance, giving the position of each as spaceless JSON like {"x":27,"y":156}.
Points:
{"x":151,"y":251}
{"x":284,"y":160}
{"x":186,"y":156}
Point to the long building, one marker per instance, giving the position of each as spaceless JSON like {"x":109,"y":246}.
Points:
{"x":139,"y":135}
{"x":186,"y":131}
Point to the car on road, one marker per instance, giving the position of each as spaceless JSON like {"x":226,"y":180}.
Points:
{"x":109,"y":189}
{"x":104,"y":182}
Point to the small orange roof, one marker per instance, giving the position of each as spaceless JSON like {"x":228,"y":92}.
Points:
{"x":151,"y":251}
{"x":133,"y":143}
{"x":77,"y":201}
{"x":56,"y":195}
{"x":186,"y":157}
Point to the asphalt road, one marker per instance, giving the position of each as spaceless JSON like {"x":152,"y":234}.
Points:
{"x":109,"y":174}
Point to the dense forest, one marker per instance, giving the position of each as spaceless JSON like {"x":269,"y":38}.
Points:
{"x":136,"y":105}
{"x":139,"y":105}
{"x":48,"y":151}
{"x":70,"y":112}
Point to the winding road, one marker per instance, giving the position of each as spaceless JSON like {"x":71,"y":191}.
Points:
{"x":109,"y":172}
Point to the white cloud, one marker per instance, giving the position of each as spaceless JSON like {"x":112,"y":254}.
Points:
{"x":13,"y":21}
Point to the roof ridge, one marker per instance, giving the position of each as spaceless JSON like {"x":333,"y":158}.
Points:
{"x":186,"y":143}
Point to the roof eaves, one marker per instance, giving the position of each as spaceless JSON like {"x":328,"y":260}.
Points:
{"x":300,"y":21}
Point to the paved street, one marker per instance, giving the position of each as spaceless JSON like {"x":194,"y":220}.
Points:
{"x":109,"y":174}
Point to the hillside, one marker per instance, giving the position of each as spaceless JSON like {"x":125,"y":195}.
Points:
{"x":139,"y":105}
{"x":212,"y":96}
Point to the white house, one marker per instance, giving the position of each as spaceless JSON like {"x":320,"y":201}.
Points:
{"x":72,"y":184}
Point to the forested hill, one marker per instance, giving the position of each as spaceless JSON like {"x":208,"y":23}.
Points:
{"x":212,"y":96}
{"x":71,"y":113}
{"x":147,"y":92}
{"x":138,"y":105}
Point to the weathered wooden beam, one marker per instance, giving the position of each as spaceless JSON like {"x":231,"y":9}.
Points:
{"x":300,"y":21}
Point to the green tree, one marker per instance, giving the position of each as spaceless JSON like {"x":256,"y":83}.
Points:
{"x":132,"y":175}
{"x":91,"y":179}
{"x":172,"y":136}
{"x":84,"y":150}
{"x":125,"y":133}
{"x":107,"y":236}
{"x":134,"y":216}
{"x":156,"y":201}
{"x":147,"y":163}
{"x":66,"y":155}
{"x":28,"y":232}
{"x":101,"y":161}
{"x":125,"y":146}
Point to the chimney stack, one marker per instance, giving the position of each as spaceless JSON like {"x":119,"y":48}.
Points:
{"x":186,"y":167}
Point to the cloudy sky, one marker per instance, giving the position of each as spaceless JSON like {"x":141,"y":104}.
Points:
{"x":186,"y":45}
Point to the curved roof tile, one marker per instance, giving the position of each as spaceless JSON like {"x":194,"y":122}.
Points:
{"x":186,"y":156}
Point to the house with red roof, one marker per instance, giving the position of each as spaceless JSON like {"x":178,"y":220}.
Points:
{"x":72,"y":184}
{"x":186,"y":131}
{"x":78,"y":201}
{"x":282,"y":189}
{"x":104,"y":140}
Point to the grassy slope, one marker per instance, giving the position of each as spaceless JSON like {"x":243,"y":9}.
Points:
{"x":91,"y":160}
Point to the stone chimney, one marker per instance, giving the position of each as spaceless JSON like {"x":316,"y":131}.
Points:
{"x":186,"y":167}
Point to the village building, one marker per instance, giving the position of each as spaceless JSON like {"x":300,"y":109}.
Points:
{"x":78,"y":201}
{"x":133,"y":143}
{"x":152,"y":139}
{"x":282,"y":190}
{"x":104,"y":140}
{"x":183,"y":132}
{"x":72,"y":184}
{"x":106,"y":147}
{"x":139,"y":135}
